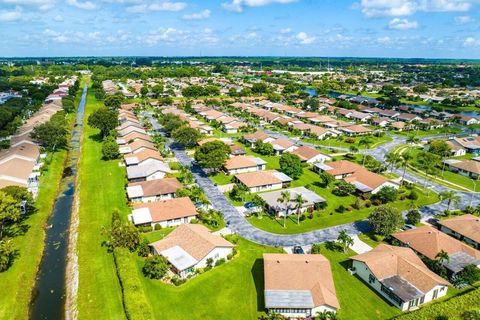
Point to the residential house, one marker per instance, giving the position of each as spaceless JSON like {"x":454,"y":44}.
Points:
{"x":465,"y":228}
{"x":467,"y":120}
{"x":298,"y":285}
{"x":428,"y":242}
{"x":400,"y":276}
{"x":153,"y":169}
{"x":132,"y":137}
{"x":153,"y":190}
{"x":190,"y":246}
{"x":467,"y":168}
{"x":310,"y":155}
{"x":355,"y":130}
{"x":359,"y":116}
{"x":166,"y":213}
{"x":259,"y":135}
{"x":281,"y":209}
{"x":281,"y":145}
{"x":242,"y":164}
{"x":455,"y":149}
{"x":142,"y":157}
{"x":471,"y":144}
{"x":137,"y":146}
{"x":263,"y":180}
{"x":408,"y":117}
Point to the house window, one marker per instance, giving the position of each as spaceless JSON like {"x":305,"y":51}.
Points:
{"x":371,"y":278}
{"x":391,"y":295}
{"x":435,"y":294}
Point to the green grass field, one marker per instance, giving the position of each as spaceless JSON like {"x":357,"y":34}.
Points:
{"x":101,"y":191}
{"x":341,"y":143}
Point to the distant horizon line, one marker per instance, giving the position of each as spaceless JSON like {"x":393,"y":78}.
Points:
{"x":232,"y":56}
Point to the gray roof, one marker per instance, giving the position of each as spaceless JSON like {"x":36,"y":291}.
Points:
{"x":147,"y":169}
{"x":288,"y":299}
{"x":179,"y":258}
{"x":310,"y":196}
{"x":282,"y":176}
{"x":402,"y":288}
{"x":460,"y":260}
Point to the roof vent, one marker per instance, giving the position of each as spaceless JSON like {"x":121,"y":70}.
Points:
{"x":278,"y":261}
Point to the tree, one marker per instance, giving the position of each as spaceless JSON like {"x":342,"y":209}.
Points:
{"x":171,"y":122}
{"x":291,"y":165}
{"x":413,"y":216}
{"x":403,"y":162}
{"x":263,"y":148}
{"x":110,"y":148}
{"x":259,"y":88}
{"x":212,"y":154}
{"x":326,"y":178}
{"x":326,"y":315}
{"x":392,"y":159}
{"x":385,"y":220}
{"x":121,"y":235}
{"x":155,"y":267}
{"x":186,"y":136}
{"x":7,"y":254}
{"x":344,"y":240}
{"x":299,"y":201}
{"x":450,"y":197}
{"x":113,"y":102}
{"x":442,"y":256}
{"x":343,"y":189}
{"x":21,"y":194}
{"x":439,"y":147}
{"x":316,"y":248}
{"x":285,"y":199}
{"x":421,"y":88}
{"x":366,"y":142}
{"x":52,"y":135}
{"x":387,"y":194}
{"x":103,"y":119}
{"x":144,"y":91}
{"x":238,"y":192}
{"x":9,"y":211}
{"x":470,"y":273}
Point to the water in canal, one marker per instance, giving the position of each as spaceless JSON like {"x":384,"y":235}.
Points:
{"x":48,"y":298}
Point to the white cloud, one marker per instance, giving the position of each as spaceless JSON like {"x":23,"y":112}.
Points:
{"x":237,"y":5}
{"x":397,"y":8}
{"x":471,"y":42}
{"x":41,"y":4}
{"x":285,"y":30}
{"x":304,"y":38}
{"x":384,"y":40}
{"x":402,"y":24}
{"x":463,"y":19}
{"x":205,"y":14}
{"x":158,"y":6}
{"x":87,"y":5}
{"x":11,"y":16}
{"x":58,"y":18}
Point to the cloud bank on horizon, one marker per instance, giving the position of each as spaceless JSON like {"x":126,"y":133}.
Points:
{"x":386,"y":28}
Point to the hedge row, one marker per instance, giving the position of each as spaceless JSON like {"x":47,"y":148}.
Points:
{"x":452,"y":308}
{"x":134,"y":299}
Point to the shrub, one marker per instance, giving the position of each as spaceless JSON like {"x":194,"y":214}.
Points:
{"x":413,"y":216}
{"x":143,"y":248}
{"x":343,"y":189}
{"x":157,"y":227}
{"x":219,"y":262}
{"x":340,"y":209}
{"x":155,"y":267}
{"x":316,"y":248}
{"x":413,"y":195}
{"x":302,"y":217}
{"x":387,"y":194}
{"x":178,"y":281}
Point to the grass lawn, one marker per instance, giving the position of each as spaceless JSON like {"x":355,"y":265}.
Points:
{"x":371,"y":239}
{"x":221,"y":178}
{"x":101,"y":191}
{"x":357,"y":300}
{"x":341,"y":143}
{"x":424,"y":133}
{"x":231,"y":291}
{"x":19,"y":279}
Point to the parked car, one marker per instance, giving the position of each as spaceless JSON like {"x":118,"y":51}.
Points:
{"x":249,"y":205}
{"x":298,"y":250}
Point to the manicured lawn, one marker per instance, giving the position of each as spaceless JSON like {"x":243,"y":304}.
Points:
{"x":17,"y":282}
{"x":341,"y":143}
{"x":371,"y":239}
{"x":101,"y":191}
{"x":231,"y":291}
{"x":221,"y":178}
{"x":424,"y":133}
{"x":357,"y":300}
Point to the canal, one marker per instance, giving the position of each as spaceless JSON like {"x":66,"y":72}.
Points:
{"x":48,"y":297}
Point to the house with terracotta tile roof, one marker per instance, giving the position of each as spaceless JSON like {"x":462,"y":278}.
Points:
{"x":166,"y":213}
{"x":133,"y":136}
{"x":149,"y":170}
{"x":242,"y":164}
{"x":263,"y":180}
{"x":258,"y":135}
{"x":142,"y":157}
{"x":428,"y":241}
{"x":281,"y":209}
{"x":465,"y":167}
{"x":298,"y":285}
{"x":281,"y":145}
{"x":465,"y":228}
{"x":310,"y":155}
{"x":354,"y":130}
{"x":400,"y":276}
{"x":137,"y":146}
{"x":153,"y":190}
{"x":189,"y":246}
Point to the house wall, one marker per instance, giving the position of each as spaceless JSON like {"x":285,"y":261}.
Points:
{"x":244,"y":170}
{"x":266,"y":187}
{"x":215,"y":254}
{"x":155,"y":176}
{"x":300,"y":312}
{"x":318,"y":158}
{"x":386,"y":184}
{"x":173,"y":222}
{"x":460,"y":237}
{"x":153,"y":198}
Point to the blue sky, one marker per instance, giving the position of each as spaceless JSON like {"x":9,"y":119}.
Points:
{"x":366,"y":28}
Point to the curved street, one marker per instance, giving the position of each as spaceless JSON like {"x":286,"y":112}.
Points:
{"x":237,"y":222}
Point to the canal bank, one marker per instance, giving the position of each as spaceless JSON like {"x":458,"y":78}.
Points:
{"x":49,"y":293}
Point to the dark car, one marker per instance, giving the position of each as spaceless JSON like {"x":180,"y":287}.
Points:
{"x":298,"y":250}
{"x":249,"y":205}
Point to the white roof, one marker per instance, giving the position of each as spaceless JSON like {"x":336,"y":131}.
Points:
{"x":134,"y":192}
{"x":141,"y":216}
{"x":179,"y":258}
{"x":131,"y":160}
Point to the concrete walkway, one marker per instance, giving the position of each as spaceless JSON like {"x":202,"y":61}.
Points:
{"x":359,"y":246}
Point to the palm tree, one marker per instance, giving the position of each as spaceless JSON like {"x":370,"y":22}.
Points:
{"x":412,"y":139}
{"x":392,"y":158}
{"x":326,"y":315}
{"x":367,"y":142}
{"x":403,"y":162}
{"x":299,"y":201}
{"x":345,"y":240}
{"x":442,"y":257}
{"x":450,"y":196}
{"x":284,"y":198}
